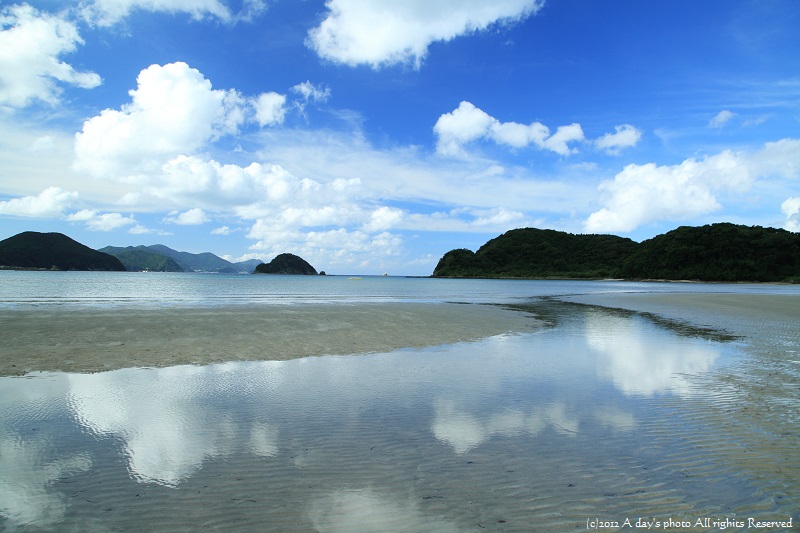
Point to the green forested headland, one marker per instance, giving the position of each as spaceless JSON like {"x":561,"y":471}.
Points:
{"x":715,"y":252}
{"x":53,"y":251}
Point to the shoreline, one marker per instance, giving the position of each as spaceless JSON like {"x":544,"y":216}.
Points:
{"x":95,"y":340}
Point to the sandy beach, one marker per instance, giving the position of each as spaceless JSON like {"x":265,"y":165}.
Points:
{"x":92,"y":340}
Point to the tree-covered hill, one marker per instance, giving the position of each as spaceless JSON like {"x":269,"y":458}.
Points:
{"x":716,"y":252}
{"x":138,"y":258}
{"x":54,"y":251}
{"x":538,"y":253}
{"x":286,"y":264}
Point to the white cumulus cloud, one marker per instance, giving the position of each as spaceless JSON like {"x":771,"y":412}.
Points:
{"x":646,"y":193}
{"x":270,"y":108}
{"x":51,"y":202}
{"x":192,"y":179}
{"x":383,"y":218}
{"x":192,"y":217}
{"x":97,"y":221}
{"x":468,"y":123}
{"x":780,"y":159}
{"x":626,"y":136}
{"x":642,"y":194}
{"x":499,"y":217}
{"x":173,"y":111}
{"x":791,"y":208}
{"x":364,"y":32}
{"x":31,"y":46}
{"x":340,"y":247}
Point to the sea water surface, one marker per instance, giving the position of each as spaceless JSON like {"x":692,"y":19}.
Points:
{"x":31,"y":288}
{"x":596,"y":419}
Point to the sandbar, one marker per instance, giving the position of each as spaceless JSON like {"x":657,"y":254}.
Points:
{"x":739,"y":314}
{"x":100,"y":339}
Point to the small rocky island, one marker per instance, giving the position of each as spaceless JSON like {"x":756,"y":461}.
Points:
{"x":286,"y":264}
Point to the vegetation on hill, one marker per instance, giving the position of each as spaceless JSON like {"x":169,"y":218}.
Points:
{"x":286,"y":264}
{"x":53,"y":251}
{"x":716,"y":252}
{"x":138,"y":258}
{"x":537,"y":253}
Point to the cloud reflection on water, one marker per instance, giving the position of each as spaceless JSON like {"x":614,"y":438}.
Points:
{"x":367,"y":510}
{"x":646,"y":360}
{"x":165,"y":420}
{"x":25,"y":497}
{"x":464,"y":431}
{"x":574,"y":381}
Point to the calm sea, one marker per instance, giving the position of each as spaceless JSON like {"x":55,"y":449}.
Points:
{"x":34,"y":288}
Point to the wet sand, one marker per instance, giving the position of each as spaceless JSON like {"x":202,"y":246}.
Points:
{"x":750,"y":410}
{"x":92,"y":340}
{"x":737,"y":312}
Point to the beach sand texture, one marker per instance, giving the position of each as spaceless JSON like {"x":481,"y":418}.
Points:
{"x":92,"y":340}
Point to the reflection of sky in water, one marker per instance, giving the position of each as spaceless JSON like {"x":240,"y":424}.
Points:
{"x":325,"y":415}
{"x":645,"y":361}
{"x":166,"y":417}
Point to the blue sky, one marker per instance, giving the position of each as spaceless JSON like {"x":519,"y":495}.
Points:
{"x":372,"y":137}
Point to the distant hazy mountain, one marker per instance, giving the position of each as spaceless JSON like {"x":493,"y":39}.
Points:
{"x":202,"y":262}
{"x":286,"y":264}
{"x":137,"y":259}
{"x":53,"y":251}
{"x":248,"y":266}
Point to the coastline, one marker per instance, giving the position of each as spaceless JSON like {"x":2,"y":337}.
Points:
{"x":94,"y":339}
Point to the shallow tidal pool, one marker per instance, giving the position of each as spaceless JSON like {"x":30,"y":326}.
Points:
{"x":596,"y":419}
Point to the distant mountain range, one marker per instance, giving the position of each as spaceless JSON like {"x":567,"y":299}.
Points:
{"x":56,"y":251}
{"x":715,"y":252}
{"x":160,"y":258}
